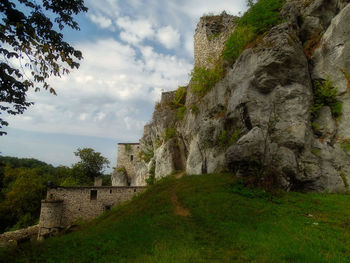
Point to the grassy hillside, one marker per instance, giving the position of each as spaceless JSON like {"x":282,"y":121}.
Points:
{"x":207,"y":218}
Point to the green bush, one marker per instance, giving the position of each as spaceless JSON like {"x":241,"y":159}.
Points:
{"x":181,"y":113}
{"x":152,"y":175}
{"x":260,"y":18}
{"x":325,"y":95}
{"x":345,"y":145}
{"x":228,"y":138}
{"x":146,"y":155}
{"x":169,"y":133}
{"x":194,"y":109}
{"x":180,"y":98}
{"x":204,"y":79}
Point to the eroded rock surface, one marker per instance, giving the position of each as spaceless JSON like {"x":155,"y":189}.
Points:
{"x":259,"y":116}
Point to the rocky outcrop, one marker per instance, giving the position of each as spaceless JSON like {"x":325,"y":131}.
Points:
{"x":258,"y":116}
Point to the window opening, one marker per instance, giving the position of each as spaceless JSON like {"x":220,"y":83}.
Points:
{"x":93,"y":194}
{"x":131,"y":157}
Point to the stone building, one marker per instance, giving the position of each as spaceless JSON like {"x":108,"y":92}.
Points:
{"x":210,"y":37}
{"x":65,"y":205}
{"x":128,"y":157}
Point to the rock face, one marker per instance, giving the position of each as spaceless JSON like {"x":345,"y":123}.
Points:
{"x":258,"y":116}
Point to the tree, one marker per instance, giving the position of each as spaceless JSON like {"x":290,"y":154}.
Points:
{"x":32,"y":49}
{"x":91,"y":164}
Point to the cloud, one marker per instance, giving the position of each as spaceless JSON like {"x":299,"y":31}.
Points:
{"x":169,"y":37}
{"x":135,"y":31}
{"x":111,"y":94}
{"x":101,"y":21}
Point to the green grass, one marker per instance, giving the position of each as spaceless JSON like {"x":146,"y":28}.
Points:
{"x":260,"y":18}
{"x":227,"y":223}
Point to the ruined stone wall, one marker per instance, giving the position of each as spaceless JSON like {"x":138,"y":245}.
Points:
{"x":210,"y":37}
{"x":128,"y":155}
{"x":64,"y":205}
{"x":19,"y":236}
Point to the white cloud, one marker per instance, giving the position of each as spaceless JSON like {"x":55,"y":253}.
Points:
{"x":112,"y":93}
{"x":101,"y":21}
{"x":169,"y":37}
{"x":135,"y":31}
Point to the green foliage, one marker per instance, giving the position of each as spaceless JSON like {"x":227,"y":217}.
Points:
{"x":260,"y":18}
{"x":169,"y":133}
{"x":204,"y":79}
{"x":315,"y":126}
{"x":316,"y":151}
{"x":181,"y":113}
{"x":237,"y":42}
{"x":228,"y":223}
{"x":194,"y":109}
{"x":146,"y":155}
{"x":223,"y":139}
{"x":234,"y":137}
{"x":151,"y":175}
{"x":33,"y":49}
{"x":325,"y":95}
{"x":127,"y":147}
{"x":228,"y":138}
{"x":180,"y":96}
{"x":345,"y":145}
{"x":179,"y":99}
{"x":23,"y":186}
{"x":91,"y":164}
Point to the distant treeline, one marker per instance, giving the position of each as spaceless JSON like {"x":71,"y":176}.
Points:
{"x":23,"y":184}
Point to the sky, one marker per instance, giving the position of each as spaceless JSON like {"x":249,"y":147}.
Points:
{"x":133,"y":50}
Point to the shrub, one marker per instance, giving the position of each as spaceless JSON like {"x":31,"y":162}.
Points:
{"x":260,"y":18}
{"x":146,"y":155}
{"x":228,"y":138}
{"x":345,"y":145}
{"x":204,"y":79}
{"x":181,"y":113}
{"x":325,"y":95}
{"x":169,"y":133}
{"x":180,"y":98}
{"x":152,"y":175}
{"x":194,"y":109}
{"x":234,"y":137}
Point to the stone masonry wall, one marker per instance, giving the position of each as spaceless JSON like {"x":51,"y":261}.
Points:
{"x":210,"y":37}
{"x":128,"y":155}
{"x":64,"y":205}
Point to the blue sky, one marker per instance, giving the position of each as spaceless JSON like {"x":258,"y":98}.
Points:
{"x":133,"y":50}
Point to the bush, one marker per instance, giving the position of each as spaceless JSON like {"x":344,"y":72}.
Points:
{"x":169,"y":133}
{"x":152,"y":175}
{"x":204,"y":79}
{"x":180,"y":98}
{"x":227,"y":139}
{"x":194,"y":109}
{"x":325,"y":95}
{"x":146,"y":155}
{"x":260,"y":18}
{"x":181,"y":113}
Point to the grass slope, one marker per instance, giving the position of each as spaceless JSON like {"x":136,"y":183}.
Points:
{"x":227,"y":223}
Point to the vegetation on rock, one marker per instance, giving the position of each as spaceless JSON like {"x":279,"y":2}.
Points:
{"x":325,"y":95}
{"x":259,"y":18}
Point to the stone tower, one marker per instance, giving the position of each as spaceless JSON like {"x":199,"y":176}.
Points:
{"x":128,"y":156}
{"x":210,"y":37}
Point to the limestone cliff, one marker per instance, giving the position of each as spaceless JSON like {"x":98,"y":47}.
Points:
{"x":261,"y":115}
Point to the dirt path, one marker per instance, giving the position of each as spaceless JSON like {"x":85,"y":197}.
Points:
{"x":179,"y":209}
